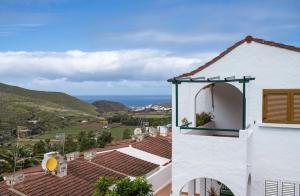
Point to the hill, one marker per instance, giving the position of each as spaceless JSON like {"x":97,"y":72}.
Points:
{"x":49,"y":110}
{"x":109,"y":106}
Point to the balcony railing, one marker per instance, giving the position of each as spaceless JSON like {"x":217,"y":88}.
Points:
{"x":187,"y":126}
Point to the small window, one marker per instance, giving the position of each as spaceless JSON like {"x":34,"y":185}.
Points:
{"x":281,"y":106}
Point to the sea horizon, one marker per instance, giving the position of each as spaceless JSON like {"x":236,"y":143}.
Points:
{"x":128,"y":100}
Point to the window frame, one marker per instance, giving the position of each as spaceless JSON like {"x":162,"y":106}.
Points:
{"x":290,"y":105}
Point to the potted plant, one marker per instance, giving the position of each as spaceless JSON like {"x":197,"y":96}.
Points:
{"x":184,"y":121}
{"x":212,"y":191}
{"x":203,"y":118}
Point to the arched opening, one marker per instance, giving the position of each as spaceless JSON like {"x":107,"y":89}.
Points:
{"x":205,"y":187}
{"x":219,"y":106}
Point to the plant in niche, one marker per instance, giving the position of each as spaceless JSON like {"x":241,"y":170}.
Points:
{"x":184,"y":121}
{"x":212,"y":191}
{"x":203,"y":118}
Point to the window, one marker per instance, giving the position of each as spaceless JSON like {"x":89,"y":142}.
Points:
{"x":273,"y":188}
{"x":281,"y":106}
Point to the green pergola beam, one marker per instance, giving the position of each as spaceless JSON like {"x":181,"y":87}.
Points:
{"x":208,"y":129}
{"x":241,"y":80}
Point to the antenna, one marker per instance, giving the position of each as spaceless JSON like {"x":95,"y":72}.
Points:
{"x":15,"y":159}
{"x":61,"y":137}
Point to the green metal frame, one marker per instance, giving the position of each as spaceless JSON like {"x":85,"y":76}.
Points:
{"x":243,"y":80}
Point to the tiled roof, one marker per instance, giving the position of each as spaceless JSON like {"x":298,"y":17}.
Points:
{"x":247,"y":39}
{"x":160,"y":146}
{"x":80,"y":180}
{"x":124,"y":163}
{"x":4,"y":190}
{"x":82,"y":174}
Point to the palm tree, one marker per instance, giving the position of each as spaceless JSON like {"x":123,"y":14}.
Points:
{"x":25,"y":159}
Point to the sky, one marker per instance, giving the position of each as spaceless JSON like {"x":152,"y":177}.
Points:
{"x":122,"y":47}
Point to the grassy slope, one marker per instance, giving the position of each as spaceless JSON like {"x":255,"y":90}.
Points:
{"x":17,"y":105}
{"x":49,"y":98}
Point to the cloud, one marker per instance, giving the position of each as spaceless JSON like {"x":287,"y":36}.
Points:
{"x":159,"y":36}
{"x":80,"y":66}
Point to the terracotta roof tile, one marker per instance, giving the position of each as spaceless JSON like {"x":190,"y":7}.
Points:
{"x":247,"y":39}
{"x":124,"y":163}
{"x":160,"y":146}
{"x":83,"y":174}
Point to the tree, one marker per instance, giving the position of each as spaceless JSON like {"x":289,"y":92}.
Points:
{"x":83,"y":141}
{"x":70,"y":144}
{"x":91,"y":139}
{"x":39,"y":148}
{"x":104,"y":138}
{"x":25,"y":159}
{"x":126,"y":134}
{"x":103,"y":185}
{"x":107,"y":186}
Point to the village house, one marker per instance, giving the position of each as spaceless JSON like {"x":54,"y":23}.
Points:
{"x":236,"y":123}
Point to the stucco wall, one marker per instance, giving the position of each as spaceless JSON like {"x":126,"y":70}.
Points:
{"x":273,"y":153}
{"x":161,"y":178}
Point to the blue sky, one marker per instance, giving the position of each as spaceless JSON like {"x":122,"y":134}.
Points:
{"x":129,"y":46}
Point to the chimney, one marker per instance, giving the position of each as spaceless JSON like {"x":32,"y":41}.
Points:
{"x":72,"y":156}
{"x":62,"y":168}
{"x":12,"y":179}
{"x":89,"y":155}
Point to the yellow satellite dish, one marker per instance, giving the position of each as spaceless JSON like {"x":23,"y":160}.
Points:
{"x":51,"y":164}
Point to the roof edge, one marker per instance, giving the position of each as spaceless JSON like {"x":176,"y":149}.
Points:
{"x":247,"y":39}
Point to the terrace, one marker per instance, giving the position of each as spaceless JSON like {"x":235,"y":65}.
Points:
{"x":219,"y":107}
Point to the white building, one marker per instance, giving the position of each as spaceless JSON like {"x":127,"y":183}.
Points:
{"x":252,"y":144}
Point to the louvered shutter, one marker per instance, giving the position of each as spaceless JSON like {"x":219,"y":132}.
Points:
{"x":281,"y":106}
{"x":275,"y":107}
{"x":288,"y":189}
{"x":296,"y":107}
{"x":271,"y":188}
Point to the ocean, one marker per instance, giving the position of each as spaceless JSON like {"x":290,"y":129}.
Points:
{"x":129,"y":100}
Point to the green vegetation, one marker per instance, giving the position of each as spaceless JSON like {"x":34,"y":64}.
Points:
{"x":73,"y":130}
{"x":126,"y":134}
{"x":26,"y":159}
{"x":117,"y":132}
{"x":39,"y":111}
{"x":109,"y":106}
{"x":108,"y":186}
{"x":134,"y":120}
{"x":203,"y":118}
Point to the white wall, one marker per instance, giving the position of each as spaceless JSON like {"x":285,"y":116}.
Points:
{"x":161,"y":178}
{"x":273,"y":152}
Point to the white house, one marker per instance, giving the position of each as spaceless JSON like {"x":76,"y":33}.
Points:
{"x":251,"y":146}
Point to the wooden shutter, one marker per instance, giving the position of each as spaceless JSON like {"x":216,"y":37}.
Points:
{"x":296,"y":107}
{"x":275,"y":107}
{"x":271,"y":188}
{"x":281,"y":106}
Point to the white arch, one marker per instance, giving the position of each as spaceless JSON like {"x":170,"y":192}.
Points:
{"x":223,"y":92}
{"x":226,"y":184}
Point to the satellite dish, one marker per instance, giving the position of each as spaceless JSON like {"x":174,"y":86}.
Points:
{"x":51,"y":164}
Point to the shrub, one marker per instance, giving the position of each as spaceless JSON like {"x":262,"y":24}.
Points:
{"x":126,"y":134}
{"x":104,"y":138}
{"x":203,"y":118}
{"x":107,"y":186}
